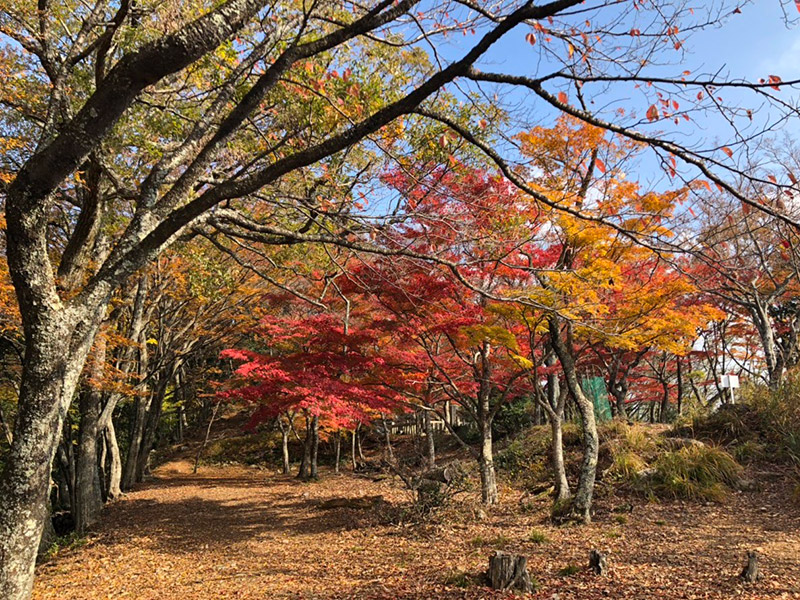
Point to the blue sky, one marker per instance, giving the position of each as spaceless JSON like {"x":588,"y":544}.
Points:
{"x":753,"y":44}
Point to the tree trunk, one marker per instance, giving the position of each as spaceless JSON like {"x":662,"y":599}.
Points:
{"x":140,"y":410}
{"x":314,"y":446}
{"x":387,"y":439}
{"x":115,"y":463}
{"x":663,"y":412}
{"x":431,"y":443}
{"x":149,"y":436}
{"x":619,"y":393}
{"x":486,"y":465}
{"x":285,"y":446}
{"x":337,"y":441}
{"x":353,"y":449}
{"x":556,"y":400}
{"x":49,"y":535}
{"x":581,"y":504}
{"x":305,"y":464}
{"x":557,"y":449}
{"x":66,"y":466}
{"x":679,"y":369}
{"x":6,"y":427}
{"x":88,"y":496}
{"x":358,"y":442}
{"x":582,"y":501}
{"x":55,"y":353}
{"x":181,"y":424}
{"x":208,"y":435}
{"x":102,"y":467}
{"x":772,"y":354}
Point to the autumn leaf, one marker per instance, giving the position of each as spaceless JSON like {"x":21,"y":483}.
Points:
{"x":652,"y":113}
{"x":727,"y":151}
{"x":775,"y":81}
{"x":704,"y":183}
{"x":601,"y":166}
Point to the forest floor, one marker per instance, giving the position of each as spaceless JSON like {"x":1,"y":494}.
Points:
{"x":238,"y":532}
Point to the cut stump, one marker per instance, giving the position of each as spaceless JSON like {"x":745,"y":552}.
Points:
{"x":509,"y":572}
{"x":750,"y":572}
{"x":598,"y":562}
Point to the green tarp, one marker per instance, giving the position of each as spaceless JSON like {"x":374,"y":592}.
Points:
{"x":595,"y":389}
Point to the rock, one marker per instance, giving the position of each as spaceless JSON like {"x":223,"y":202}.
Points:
{"x":747,"y":485}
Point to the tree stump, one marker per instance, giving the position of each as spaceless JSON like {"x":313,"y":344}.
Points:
{"x":750,"y":572}
{"x":598,"y":562}
{"x":509,"y":571}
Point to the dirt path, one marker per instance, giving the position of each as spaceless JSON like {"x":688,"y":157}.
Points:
{"x":242,"y":533}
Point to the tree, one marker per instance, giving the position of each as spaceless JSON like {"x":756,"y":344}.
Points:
{"x":749,"y":261}
{"x":322,"y":366}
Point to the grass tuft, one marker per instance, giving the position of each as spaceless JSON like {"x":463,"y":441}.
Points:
{"x":538,"y":537}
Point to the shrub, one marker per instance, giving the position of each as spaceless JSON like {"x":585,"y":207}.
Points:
{"x":526,"y":459}
{"x":631,"y":447}
{"x":513,"y":417}
{"x":627,"y":465}
{"x":779,"y":416}
{"x":696,"y":472}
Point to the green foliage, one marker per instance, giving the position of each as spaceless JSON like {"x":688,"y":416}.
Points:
{"x":697,"y":472}
{"x":749,"y":451}
{"x":468,"y":433}
{"x":522,"y":461}
{"x":538,"y":537}
{"x":513,"y":417}
{"x":68,"y":542}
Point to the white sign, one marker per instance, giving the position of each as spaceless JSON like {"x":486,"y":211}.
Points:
{"x":730,"y":381}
